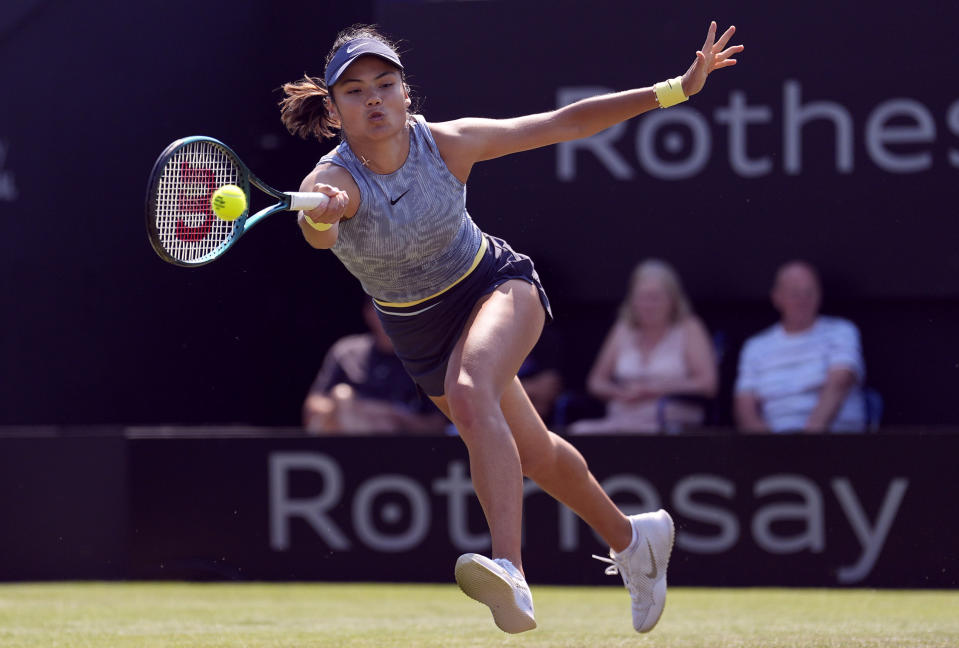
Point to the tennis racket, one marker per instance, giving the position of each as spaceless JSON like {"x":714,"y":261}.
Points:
{"x":181,"y":224}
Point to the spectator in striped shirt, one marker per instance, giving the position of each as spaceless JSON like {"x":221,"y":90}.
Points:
{"x":804,"y":373}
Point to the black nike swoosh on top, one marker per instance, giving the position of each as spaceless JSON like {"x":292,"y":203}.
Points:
{"x":393,"y":201}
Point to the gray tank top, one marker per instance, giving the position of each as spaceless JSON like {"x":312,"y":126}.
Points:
{"x":411,"y":237}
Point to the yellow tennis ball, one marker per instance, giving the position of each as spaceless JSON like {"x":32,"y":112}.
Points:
{"x":228,"y":202}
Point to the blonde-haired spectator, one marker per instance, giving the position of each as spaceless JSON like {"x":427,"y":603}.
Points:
{"x":657,"y":347}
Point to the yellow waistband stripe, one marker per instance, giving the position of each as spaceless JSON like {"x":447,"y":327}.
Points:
{"x":476,"y":260}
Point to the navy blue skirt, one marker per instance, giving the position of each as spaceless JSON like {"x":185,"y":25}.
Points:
{"x":424,"y":335}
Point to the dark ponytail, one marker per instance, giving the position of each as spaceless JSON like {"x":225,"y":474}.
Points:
{"x":304,"y":110}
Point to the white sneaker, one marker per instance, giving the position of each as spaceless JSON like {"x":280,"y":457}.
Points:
{"x":643,"y":566}
{"x":499,"y":585}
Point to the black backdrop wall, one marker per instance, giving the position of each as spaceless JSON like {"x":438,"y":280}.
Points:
{"x":749,"y":510}
{"x":834,"y":140}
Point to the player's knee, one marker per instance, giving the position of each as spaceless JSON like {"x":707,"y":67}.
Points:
{"x":469,"y":405}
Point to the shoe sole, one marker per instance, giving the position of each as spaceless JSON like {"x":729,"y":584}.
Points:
{"x":662,"y":563}
{"x":489,"y":588}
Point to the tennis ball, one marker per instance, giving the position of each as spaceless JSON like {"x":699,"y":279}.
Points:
{"x":228,"y":202}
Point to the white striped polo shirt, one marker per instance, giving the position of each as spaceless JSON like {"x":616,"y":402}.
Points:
{"x":786,"y":372}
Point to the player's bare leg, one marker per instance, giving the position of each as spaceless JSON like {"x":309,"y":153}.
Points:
{"x":501,"y":331}
{"x":559,"y":469}
{"x":640,"y":544}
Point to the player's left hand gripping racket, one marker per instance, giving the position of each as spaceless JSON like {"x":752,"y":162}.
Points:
{"x":180,"y":221}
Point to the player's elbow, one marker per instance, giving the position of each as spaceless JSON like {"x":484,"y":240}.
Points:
{"x":568,"y":128}
{"x":576,"y":121}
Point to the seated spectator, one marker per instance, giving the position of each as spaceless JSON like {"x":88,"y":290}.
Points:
{"x":657,"y":347}
{"x":803,"y":373}
{"x":362,"y":388}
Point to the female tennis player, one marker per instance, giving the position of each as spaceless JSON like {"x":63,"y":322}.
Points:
{"x":464,"y":309}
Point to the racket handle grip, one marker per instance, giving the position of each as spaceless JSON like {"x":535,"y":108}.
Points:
{"x":305,"y":200}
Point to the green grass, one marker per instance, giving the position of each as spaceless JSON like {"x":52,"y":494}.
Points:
{"x":146,"y":615}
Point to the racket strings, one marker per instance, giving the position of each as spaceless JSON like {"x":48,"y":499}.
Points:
{"x":186,"y":226}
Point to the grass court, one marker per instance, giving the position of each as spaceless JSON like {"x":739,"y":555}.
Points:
{"x":280,"y":615}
